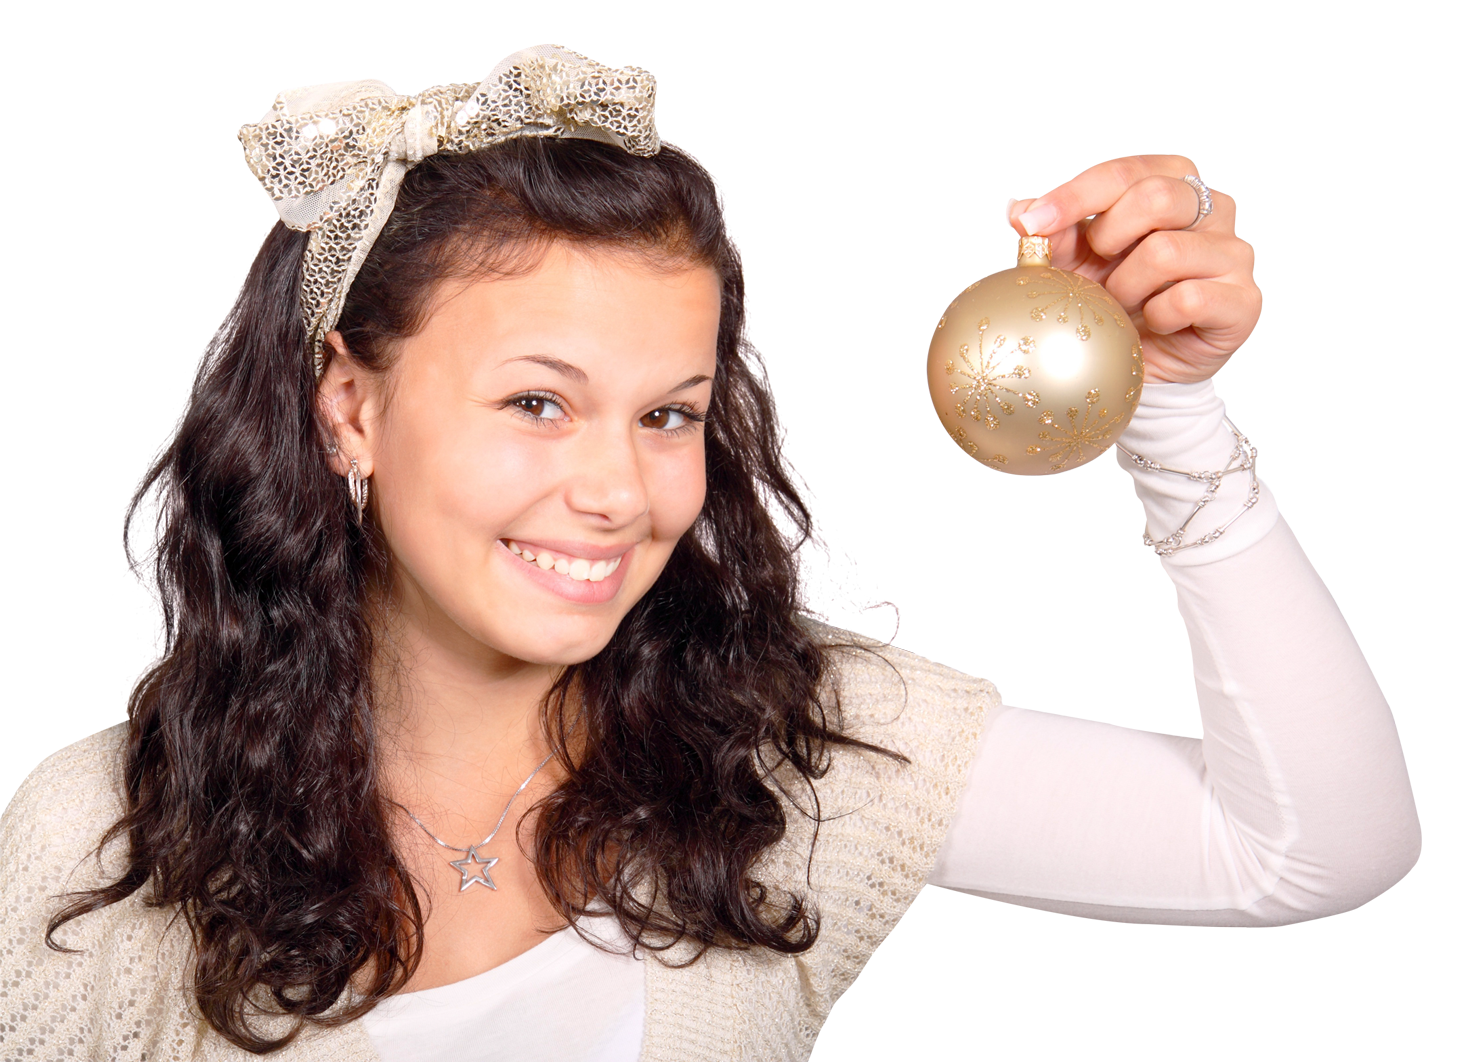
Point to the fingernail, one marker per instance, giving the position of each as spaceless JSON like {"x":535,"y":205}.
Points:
{"x":1040,"y":218}
{"x":1012,"y":216}
{"x":1010,"y":210}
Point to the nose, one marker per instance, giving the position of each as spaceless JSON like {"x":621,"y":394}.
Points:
{"x":608,"y":481}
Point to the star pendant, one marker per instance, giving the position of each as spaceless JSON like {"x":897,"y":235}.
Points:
{"x":473,"y":870}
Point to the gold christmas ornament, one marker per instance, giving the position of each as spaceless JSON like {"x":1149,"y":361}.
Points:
{"x":1036,"y":369}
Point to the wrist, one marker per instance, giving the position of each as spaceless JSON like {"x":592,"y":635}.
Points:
{"x":1181,"y":428}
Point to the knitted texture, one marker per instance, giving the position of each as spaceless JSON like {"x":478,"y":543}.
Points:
{"x":119,"y":996}
{"x":123,"y":993}
{"x":882,"y":824}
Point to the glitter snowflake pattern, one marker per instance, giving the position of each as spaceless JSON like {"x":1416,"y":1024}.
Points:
{"x":1068,"y":444}
{"x":1135,"y":389}
{"x":987,"y":386}
{"x":970,"y":447}
{"x":1062,"y":295}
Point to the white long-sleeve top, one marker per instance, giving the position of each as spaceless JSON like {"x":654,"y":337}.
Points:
{"x":1295,"y":804}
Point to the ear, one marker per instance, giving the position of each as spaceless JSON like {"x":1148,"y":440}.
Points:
{"x":350,"y":399}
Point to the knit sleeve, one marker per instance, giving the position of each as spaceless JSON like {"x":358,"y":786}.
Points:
{"x":121,"y":992}
{"x":1295,"y":803}
{"x":115,"y":994}
{"x":881,"y":821}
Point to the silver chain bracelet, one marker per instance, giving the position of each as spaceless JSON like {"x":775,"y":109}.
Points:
{"x":1241,"y":460}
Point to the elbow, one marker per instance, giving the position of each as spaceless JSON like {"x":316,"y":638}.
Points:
{"x":1340,"y":877}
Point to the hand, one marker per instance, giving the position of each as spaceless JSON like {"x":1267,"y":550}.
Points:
{"x":1189,"y":290}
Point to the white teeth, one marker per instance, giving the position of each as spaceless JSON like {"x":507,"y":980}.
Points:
{"x":576,"y":568}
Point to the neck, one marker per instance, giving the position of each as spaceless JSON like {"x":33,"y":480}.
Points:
{"x":458,"y":724}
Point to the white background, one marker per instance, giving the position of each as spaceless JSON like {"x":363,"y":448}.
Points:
{"x":865,"y":155}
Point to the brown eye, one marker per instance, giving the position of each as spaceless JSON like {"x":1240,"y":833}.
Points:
{"x":538,"y":406}
{"x":666,"y":419}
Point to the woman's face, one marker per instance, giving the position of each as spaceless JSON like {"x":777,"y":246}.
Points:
{"x":536,"y":451}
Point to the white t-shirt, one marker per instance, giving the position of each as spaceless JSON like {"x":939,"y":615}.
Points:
{"x":1290,"y":807}
{"x":564,"y":1000}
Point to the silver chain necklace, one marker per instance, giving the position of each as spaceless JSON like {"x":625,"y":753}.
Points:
{"x":472,"y":869}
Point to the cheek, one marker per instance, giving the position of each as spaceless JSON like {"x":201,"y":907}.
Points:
{"x":677,"y":489}
{"x":490,"y":480}
{"x":448,"y":486}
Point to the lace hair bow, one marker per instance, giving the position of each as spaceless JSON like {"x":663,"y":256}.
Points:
{"x":333,"y":156}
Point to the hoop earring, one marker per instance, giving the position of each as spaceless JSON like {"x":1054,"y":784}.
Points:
{"x":357,"y":489}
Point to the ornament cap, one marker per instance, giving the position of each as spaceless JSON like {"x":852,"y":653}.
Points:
{"x":1034,"y":251}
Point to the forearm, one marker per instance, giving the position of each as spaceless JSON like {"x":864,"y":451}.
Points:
{"x":1294,"y":805}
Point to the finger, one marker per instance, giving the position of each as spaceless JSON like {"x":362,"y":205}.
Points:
{"x":1015,"y":208}
{"x":1068,"y":248}
{"x":1170,"y":257}
{"x":1223,"y":313}
{"x":1096,"y":189}
{"x":1152,"y":204}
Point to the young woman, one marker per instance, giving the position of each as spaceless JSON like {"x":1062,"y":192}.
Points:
{"x":490,"y":725}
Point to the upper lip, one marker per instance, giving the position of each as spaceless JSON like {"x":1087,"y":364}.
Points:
{"x":566,"y":547}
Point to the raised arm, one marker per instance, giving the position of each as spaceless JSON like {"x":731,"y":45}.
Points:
{"x":1295,"y":804}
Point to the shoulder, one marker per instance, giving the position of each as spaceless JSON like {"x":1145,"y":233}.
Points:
{"x":902,"y":701}
{"x":930,"y":715}
{"x":117,"y":983}
{"x":67,"y":802}
{"x":56,"y":821}
{"x":883,"y":816}
{"x":862,"y":853}
{"x":53,"y":826}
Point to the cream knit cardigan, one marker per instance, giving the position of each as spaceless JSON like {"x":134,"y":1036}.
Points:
{"x":122,"y":994}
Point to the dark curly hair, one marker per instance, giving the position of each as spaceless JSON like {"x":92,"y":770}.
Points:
{"x":253,"y":799}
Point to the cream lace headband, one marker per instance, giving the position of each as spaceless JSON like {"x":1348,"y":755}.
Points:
{"x":332,"y":156}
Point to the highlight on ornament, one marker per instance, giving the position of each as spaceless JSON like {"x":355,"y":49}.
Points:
{"x":1035,"y":369}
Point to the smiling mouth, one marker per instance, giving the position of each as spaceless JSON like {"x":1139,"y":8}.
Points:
{"x":578,"y":569}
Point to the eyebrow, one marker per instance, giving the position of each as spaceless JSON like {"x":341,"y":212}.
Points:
{"x":565,"y":368}
{"x":697,"y":378}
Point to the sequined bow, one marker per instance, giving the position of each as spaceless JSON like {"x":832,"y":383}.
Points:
{"x":332,"y":157}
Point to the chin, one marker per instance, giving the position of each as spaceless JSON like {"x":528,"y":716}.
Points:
{"x":572,"y":653}
{"x":552,"y":643}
